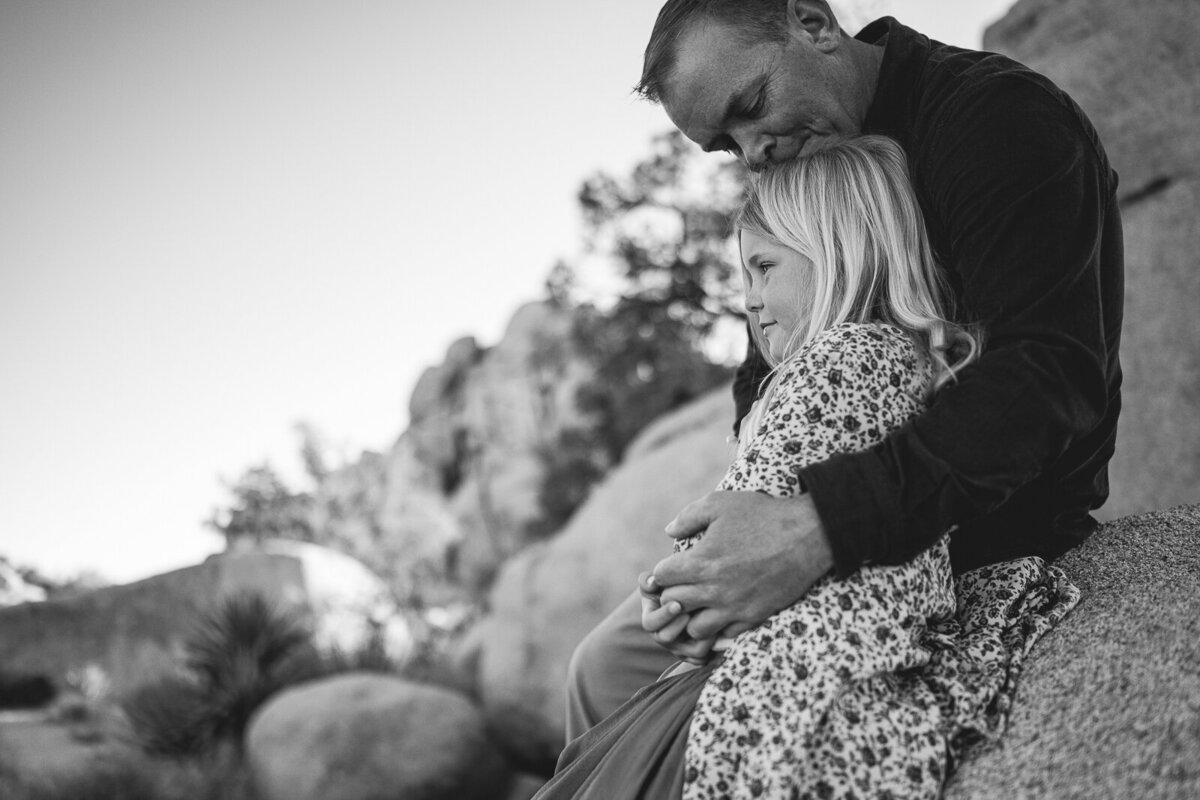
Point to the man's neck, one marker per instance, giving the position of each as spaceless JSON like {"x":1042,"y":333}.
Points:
{"x":866,"y":61}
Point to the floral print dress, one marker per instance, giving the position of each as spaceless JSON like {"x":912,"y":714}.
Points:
{"x":869,"y":686}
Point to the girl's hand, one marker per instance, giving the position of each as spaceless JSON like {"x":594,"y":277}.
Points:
{"x":668,"y":624}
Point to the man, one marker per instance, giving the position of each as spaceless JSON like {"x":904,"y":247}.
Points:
{"x":1020,"y":203}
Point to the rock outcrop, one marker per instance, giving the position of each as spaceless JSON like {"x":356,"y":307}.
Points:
{"x":458,"y":492}
{"x":1135,"y":70}
{"x":130,"y":634}
{"x":361,"y":737}
{"x":549,"y":596}
{"x":1108,"y":706}
{"x":14,"y":589}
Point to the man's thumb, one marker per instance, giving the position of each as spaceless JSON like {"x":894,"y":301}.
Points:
{"x":693,"y":519}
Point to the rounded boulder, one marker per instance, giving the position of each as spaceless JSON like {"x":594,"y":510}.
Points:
{"x":372,"y":737}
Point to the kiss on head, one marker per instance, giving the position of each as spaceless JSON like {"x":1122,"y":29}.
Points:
{"x":805,"y":637}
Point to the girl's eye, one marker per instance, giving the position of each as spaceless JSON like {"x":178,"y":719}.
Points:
{"x":764,"y":266}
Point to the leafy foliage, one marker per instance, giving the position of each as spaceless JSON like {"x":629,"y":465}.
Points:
{"x":264,"y":507}
{"x":573,"y":464}
{"x":665,"y":228}
{"x":171,"y":716}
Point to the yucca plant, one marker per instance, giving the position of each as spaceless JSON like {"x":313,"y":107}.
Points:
{"x":245,"y":651}
{"x":239,"y":654}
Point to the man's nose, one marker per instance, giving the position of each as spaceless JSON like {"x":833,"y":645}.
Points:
{"x":757,"y":151}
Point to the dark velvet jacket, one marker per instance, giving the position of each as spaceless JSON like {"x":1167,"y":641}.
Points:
{"x":1020,"y":204}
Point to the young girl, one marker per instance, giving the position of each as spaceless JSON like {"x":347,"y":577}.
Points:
{"x":870,"y":684}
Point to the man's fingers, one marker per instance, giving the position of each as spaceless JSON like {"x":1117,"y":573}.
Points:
{"x":689,"y":568}
{"x":648,"y":584}
{"x":694,"y":518}
{"x":687,"y":596}
{"x":707,"y":623}
{"x":733,"y":630}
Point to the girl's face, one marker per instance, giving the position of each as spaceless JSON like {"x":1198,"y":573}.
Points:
{"x":779,"y":289}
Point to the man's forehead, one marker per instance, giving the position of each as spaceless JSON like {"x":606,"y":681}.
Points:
{"x":708,"y":76}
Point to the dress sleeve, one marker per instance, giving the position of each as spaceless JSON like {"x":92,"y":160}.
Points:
{"x":849,"y":387}
{"x":1021,"y":191}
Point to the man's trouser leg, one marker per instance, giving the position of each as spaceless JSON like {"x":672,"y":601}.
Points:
{"x":612,"y":662}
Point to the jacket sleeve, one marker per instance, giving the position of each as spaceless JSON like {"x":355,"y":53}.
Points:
{"x":1020,"y":189}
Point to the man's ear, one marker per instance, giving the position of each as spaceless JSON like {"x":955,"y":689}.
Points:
{"x":813,"y":21}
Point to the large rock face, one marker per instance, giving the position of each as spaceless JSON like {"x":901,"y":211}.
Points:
{"x":1108,"y":706}
{"x":1135,"y":70}
{"x":368,"y":737}
{"x":548,"y":597}
{"x":461,"y":484}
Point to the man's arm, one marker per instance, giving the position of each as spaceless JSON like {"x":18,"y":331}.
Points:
{"x":763,"y":548}
{"x":1022,"y":192}
{"x":1025,"y":215}
{"x":759,"y":554}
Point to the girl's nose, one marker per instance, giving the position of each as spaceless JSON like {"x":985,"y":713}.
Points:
{"x":754,"y":299}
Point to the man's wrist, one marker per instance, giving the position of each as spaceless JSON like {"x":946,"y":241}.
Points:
{"x":820,"y":554}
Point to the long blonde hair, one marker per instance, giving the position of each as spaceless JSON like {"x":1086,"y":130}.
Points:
{"x":850,"y":209}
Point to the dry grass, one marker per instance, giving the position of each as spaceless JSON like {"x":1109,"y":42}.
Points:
{"x":83,"y":749}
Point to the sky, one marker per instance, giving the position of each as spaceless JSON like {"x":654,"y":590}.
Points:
{"x":221,"y":219}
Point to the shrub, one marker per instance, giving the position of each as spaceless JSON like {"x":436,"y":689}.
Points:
{"x":172,"y":716}
{"x":221,"y":775}
{"x":239,"y":654}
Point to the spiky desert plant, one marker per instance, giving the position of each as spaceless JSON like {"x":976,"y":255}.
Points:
{"x":243,"y":652}
{"x":238,"y":654}
{"x":170,"y":716}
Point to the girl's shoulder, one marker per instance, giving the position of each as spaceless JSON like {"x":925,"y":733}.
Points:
{"x":873,"y":340}
{"x":874,"y":357}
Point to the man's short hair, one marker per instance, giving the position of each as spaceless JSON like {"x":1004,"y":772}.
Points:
{"x":755,"y":20}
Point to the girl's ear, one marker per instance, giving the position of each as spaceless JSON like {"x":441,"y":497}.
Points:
{"x":813,"y":21}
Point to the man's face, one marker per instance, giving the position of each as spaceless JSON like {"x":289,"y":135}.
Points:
{"x":766,"y":102}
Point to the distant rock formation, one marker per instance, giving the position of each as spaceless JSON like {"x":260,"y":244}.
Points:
{"x":123,"y":636}
{"x":14,"y":589}
{"x":458,"y":492}
{"x":459,"y":489}
{"x":1135,"y":69}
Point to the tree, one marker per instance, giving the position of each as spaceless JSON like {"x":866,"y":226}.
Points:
{"x":667,"y":229}
{"x":263,"y":508}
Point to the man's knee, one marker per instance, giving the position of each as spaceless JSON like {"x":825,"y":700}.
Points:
{"x":596,"y":659}
{"x":608,"y":667}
